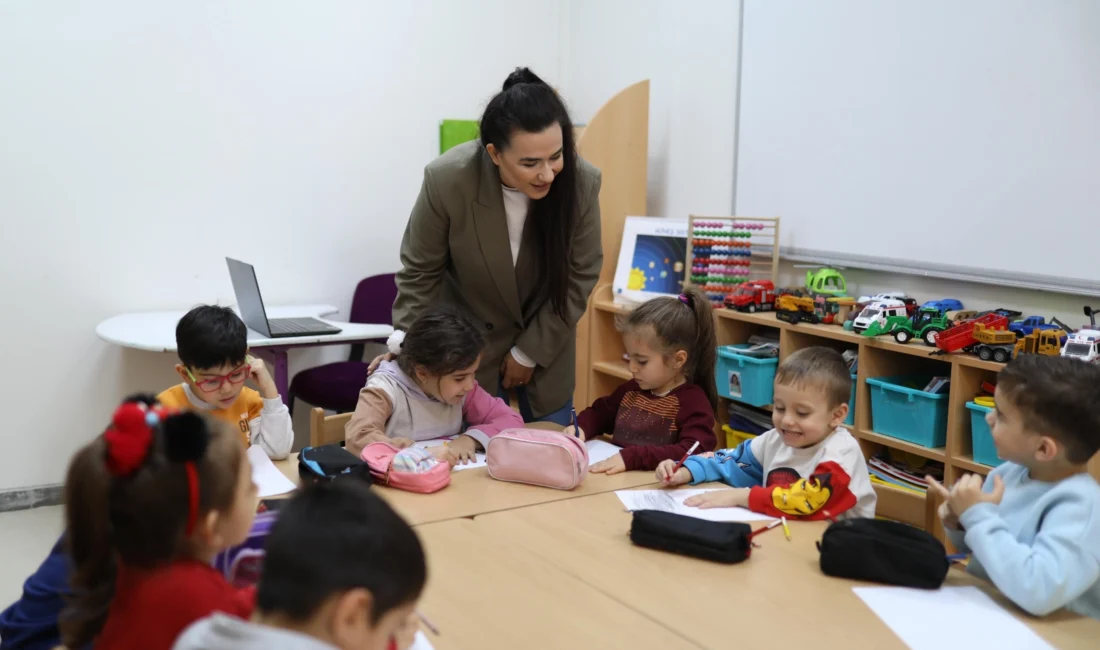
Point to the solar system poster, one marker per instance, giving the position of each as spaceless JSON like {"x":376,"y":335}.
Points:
{"x":652,"y":258}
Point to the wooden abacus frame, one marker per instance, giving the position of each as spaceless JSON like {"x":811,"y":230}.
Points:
{"x":761,"y":227}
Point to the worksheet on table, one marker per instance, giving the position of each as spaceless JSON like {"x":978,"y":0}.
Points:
{"x":268,"y":479}
{"x":673,"y":501}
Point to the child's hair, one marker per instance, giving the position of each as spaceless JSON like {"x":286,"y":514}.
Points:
{"x":682,"y":323}
{"x":333,"y":537}
{"x":209,"y":336}
{"x":1056,"y":396}
{"x":128,"y":499}
{"x":817,"y":368}
{"x":441,"y":340}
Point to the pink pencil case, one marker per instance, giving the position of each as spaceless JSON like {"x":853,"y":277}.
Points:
{"x":412,"y":469}
{"x":537,"y":457}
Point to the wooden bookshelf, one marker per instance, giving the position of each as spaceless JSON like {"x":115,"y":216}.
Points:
{"x":878,"y":357}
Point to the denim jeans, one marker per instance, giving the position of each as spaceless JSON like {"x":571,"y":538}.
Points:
{"x":562,"y":416}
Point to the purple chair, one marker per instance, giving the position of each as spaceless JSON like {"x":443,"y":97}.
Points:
{"x":335,"y":386}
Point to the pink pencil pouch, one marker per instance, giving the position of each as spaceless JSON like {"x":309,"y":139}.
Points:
{"x":537,"y":457}
{"x":412,"y":469}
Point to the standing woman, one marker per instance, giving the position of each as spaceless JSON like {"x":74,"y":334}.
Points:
{"x":508,"y":228}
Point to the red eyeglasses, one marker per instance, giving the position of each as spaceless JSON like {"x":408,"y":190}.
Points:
{"x":212,"y":384}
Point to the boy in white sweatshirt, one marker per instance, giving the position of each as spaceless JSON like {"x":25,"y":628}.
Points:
{"x":342,"y":571}
{"x":1033,"y":528}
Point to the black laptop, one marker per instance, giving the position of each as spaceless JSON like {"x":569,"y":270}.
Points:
{"x":255,"y":316}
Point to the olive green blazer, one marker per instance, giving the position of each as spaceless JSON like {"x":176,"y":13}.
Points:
{"x":455,"y":250}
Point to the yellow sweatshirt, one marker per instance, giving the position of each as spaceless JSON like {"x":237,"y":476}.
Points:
{"x":262,"y":422}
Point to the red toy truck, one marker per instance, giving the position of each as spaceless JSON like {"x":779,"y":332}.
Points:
{"x":752,"y":296}
{"x":961,"y":336}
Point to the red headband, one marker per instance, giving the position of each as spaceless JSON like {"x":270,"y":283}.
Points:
{"x":128,"y":441}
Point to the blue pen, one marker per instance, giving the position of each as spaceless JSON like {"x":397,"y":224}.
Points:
{"x":576,"y":431}
{"x":957,"y":557}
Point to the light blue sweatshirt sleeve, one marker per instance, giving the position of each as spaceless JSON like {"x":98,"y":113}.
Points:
{"x":1058,"y":567}
{"x":736,"y":467}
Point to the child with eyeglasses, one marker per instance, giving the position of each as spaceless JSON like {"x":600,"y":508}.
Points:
{"x":212,"y":344}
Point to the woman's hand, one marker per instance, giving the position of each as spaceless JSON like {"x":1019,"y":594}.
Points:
{"x":514,"y":373}
{"x":377,"y":361}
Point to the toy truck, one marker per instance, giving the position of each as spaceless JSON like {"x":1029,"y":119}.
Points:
{"x":795,"y":309}
{"x":1048,"y":341}
{"x":1030,"y":324}
{"x":943,"y":305}
{"x":961,"y":336}
{"x":752,"y":296}
{"x":926,"y":326}
{"x":1082,"y":345}
{"x":878,"y":311}
{"x":996,"y":344}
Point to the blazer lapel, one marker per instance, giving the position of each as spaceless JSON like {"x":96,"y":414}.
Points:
{"x":491,"y":225}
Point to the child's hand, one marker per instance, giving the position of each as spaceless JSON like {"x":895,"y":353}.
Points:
{"x":443,"y":454}
{"x":613,"y":465}
{"x":462,"y":450}
{"x":572,"y":432}
{"x":946,"y":514}
{"x":259,"y":373}
{"x":668,"y":478}
{"x":406,"y":634}
{"x":737,"y":497}
{"x":967,"y":492}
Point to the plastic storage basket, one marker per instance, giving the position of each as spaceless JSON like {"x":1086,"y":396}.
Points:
{"x":744,"y":378}
{"x":900,"y":410}
{"x":851,"y":419}
{"x":985,"y":452}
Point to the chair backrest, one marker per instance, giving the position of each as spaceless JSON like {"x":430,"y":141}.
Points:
{"x":326,"y":430}
{"x":373,"y":300}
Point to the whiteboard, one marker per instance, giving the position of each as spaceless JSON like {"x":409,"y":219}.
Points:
{"x":936,"y":134}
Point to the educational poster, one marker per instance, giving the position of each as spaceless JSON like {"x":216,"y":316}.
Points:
{"x":652,"y":259}
{"x":735,"y":383}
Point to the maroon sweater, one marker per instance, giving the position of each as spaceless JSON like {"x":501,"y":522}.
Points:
{"x":651,"y":428}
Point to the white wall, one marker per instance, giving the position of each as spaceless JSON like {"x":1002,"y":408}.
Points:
{"x":143,"y":142}
{"x":688,"y":51}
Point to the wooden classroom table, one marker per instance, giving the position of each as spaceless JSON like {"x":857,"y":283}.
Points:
{"x":487,"y":593}
{"x":780,"y":587}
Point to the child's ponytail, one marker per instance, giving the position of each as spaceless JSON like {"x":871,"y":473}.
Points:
{"x":685,"y":322}
{"x":133,"y":497}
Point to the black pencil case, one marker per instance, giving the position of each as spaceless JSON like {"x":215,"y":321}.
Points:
{"x":726,"y":542}
{"x":330,"y":462}
{"x":877,"y":550}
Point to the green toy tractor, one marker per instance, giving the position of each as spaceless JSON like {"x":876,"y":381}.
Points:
{"x":926,"y":325}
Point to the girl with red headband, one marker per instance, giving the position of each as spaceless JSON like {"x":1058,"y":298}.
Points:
{"x":148,"y":505}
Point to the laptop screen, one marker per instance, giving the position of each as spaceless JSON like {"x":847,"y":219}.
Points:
{"x":249,"y":302}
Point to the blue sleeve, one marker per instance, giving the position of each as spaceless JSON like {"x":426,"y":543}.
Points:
{"x":1059,"y":566}
{"x":737,"y":467}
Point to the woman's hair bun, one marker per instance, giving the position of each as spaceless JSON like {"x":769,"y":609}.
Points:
{"x":522,"y":76}
{"x":185,"y":437}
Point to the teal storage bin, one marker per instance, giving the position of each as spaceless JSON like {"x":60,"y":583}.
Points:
{"x":900,"y":410}
{"x":985,"y":452}
{"x":743,"y":378}
{"x":851,"y":419}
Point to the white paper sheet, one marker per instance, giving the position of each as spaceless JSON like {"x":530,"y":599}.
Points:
{"x":421,"y":642}
{"x":598,"y":451}
{"x":268,"y":479}
{"x":424,"y":444}
{"x":922,"y":619}
{"x":673,"y":501}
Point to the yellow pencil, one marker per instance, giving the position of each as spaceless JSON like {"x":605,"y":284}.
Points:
{"x":786,"y":531}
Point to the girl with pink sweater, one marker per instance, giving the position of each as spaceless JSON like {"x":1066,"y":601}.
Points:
{"x":427,"y":391}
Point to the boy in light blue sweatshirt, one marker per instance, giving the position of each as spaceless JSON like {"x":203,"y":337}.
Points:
{"x":1033,"y":528}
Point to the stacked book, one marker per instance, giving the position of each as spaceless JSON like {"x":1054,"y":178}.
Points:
{"x":887,"y":470}
{"x":748,"y":419}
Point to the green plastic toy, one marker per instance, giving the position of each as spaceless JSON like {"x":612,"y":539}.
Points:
{"x":826,"y":282}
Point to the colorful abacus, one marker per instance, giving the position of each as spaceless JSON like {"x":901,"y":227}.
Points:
{"x":721,"y":251}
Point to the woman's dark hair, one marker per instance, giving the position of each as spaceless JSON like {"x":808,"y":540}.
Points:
{"x":139,"y":519}
{"x":527,"y":103}
{"x":365,"y":545}
{"x":441,"y":340}
{"x":682,"y":323}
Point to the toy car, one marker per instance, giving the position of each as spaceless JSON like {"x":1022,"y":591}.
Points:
{"x":878,"y":311}
{"x":943,"y":306}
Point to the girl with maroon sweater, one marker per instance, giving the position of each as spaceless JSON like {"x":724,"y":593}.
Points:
{"x":148,"y":505}
{"x":669,"y":404}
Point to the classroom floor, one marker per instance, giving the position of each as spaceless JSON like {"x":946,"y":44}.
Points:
{"x":26,"y":536}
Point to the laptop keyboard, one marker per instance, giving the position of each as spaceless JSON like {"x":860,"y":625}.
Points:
{"x":299,"y":326}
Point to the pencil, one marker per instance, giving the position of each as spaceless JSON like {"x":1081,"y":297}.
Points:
{"x":576,"y":431}
{"x":683,"y":460}
{"x":786,"y":531}
{"x":428,"y":624}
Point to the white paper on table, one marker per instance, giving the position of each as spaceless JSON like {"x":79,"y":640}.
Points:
{"x":424,"y":444}
{"x":421,"y":642}
{"x":965,"y":615}
{"x":268,"y":479}
{"x":673,"y":501}
{"x":599,"y":450}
